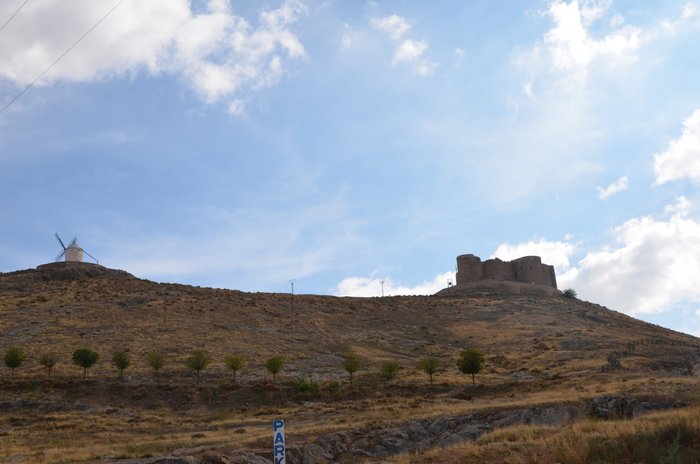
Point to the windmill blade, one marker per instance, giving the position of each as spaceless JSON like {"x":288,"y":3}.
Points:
{"x":94,"y":259}
{"x":73,"y":242}
{"x":60,"y":241}
{"x":60,"y":255}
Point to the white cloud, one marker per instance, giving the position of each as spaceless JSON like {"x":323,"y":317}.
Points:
{"x":394,"y":26}
{"x":346,"y":41}
{"x":689,"y":10}
{"x":424,"y":68}
{"x":460,"y":57}
{"x":655,"y":264}
{"x":617,"y":20}
{"x":570,"y":43}
{"x":681,"y":160}
{"x":409,"y":50}
{"x":236,"y":107}
{"x":618,"y":186}
{"x":219,"y":54}
{"x":372,"y":286}
{"x":553,"y":253}
{"x":681,"y":208}
{"x":586,"y":35}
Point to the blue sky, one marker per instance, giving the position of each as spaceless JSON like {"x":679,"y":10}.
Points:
{"x":244,"y":144}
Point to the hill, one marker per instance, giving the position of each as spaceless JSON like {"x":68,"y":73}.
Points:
{"x":542,"y":350}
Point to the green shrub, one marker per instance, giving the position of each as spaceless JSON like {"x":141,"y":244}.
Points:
{"x":48,"y":360}
{"x":306,"y":388}
{"x":120,"y":360}
{"x":156,"y":361}
{"x":85,"y":358}
{"x":235,"y":363}
{"x":274,"y":366}
{"x":569,"y":293}
{"x":14,"y":357}
{"x":334,"y":388}
{"x":430,"y":366}
{"x":198,"y":360}
{"x":470,"y":361}
{"x":351,"y":363}
{"x":389,"y":370}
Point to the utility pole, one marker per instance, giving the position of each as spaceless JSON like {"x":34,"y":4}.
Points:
{"x":292,"y":284}
{"x":381,"y":282}
{"x":165,"y":306}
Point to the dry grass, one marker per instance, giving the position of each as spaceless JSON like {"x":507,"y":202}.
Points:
{"x":663,"y":437}
{"x":539,"y":350}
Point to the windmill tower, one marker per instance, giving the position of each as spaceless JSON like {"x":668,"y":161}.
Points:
{"x":72,"y":252}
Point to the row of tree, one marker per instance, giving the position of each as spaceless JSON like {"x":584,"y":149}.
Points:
{"x":470,"y":361}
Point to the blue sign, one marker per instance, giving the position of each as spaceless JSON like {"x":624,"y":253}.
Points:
{"x":278,"y":447}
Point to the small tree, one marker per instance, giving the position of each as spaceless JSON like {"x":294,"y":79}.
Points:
{"x":120,"y":360}
{"x":234,"y":362}
{"x":351,"y":363}
{"x":198,"y":360}
{"x":48,"y":360}
{"x":569,"y":293}
{"x":85,"y":358}
{"x":156,"y":361}
{"x":430,"y":366}
{"x":470,"y":362}
{"x":389,"y":370}
{"x":274,"y":366}
{"x":14,"y":357}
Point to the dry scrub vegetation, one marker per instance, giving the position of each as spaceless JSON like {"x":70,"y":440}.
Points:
{"x":671,"y":437}
{"x":539,"y":350}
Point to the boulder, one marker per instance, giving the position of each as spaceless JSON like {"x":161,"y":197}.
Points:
{"x":613,"y":407}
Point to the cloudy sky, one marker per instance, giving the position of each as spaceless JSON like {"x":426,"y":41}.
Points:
{"x":241,"y":144}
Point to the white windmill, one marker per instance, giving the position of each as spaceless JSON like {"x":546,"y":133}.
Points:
{"x":72,"y":252}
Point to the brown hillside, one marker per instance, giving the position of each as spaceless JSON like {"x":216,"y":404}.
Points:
{"x":111,"y":310}
{"x":539,"y":349}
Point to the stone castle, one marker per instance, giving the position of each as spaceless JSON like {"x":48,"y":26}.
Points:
{"x":527,"y":270}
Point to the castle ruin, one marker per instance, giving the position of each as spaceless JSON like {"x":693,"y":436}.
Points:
{"x":527,"y":270}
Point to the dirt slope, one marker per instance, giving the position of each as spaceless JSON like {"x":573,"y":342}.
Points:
{"x":540,"y":349}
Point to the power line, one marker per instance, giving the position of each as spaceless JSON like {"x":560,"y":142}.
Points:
{"x":13,"y":15}
{"x":60,"y":57}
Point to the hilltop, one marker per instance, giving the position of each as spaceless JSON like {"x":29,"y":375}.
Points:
{"x":540,"y":348}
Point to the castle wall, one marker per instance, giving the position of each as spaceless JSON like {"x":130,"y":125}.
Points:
{"x":495,"y":269}
{"x":528,"y":269}
{"x":469,"y":269}
{"x":552,"y":276}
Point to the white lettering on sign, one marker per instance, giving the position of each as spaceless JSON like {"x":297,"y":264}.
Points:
{"x":278,"y":447}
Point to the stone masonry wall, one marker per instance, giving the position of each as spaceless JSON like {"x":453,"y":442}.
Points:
{"x":528,"y":269}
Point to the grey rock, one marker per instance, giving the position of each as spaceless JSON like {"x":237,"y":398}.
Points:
{"x":248,"y":458}
{"x":309,"y":454}
{"x":613,"y":407}
{"x":174,"y":460}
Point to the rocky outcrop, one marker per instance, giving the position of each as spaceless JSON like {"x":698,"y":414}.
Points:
{"x":60,"y":271}
{"x":613,"y":407}
{"x":423,"y":434}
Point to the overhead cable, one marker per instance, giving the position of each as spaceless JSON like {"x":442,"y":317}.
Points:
{"x":60,"y":57}
{"x":13,"y":15}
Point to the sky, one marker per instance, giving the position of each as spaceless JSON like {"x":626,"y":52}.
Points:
{"x":245,"y":144}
